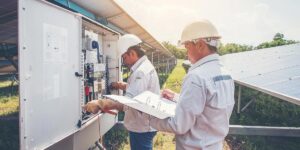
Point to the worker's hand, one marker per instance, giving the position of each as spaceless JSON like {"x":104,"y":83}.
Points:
{"x":104,"y":105}
{"x":168,"y":94}
{"x":114,"y":85}
{"x":92,"y":106}
{"x":107,"y":104}
{"x":119,"y":85}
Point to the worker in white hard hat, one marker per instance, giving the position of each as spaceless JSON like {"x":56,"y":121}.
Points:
{"x":206,"y":100}
{"x":143,"y":77}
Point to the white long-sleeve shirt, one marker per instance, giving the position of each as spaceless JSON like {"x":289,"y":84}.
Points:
{"x":204,"y":107}
{"x":143,"y":78}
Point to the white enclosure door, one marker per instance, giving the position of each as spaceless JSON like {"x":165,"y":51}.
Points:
{"x":49,"y":51}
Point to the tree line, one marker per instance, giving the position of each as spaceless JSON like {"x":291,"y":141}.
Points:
{"x":277,"y":40}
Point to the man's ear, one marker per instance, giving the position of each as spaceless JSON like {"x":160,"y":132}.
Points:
{"x":133,"y":53}
{"x":129,"y":52}
{"x":199,"y":44}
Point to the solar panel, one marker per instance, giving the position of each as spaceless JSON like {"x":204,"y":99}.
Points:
{"x":275,"y":71}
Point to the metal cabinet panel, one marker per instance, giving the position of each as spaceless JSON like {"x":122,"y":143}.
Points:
{"x":49,"y":50}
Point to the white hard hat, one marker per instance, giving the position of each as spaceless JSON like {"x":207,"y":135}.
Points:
{"x":200,"y":29}
{"x":127,"y":41}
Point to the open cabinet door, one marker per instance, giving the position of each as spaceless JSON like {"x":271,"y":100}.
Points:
{"x":50,"y":93}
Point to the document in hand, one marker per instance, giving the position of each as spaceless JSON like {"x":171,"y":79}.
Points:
{"x":149,"y":103}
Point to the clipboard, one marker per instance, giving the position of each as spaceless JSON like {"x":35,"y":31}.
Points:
{"x":149,"y":103}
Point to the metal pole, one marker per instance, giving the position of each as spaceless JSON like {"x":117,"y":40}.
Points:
{"x":158,"y":65}
{"x":248,"y":104}
{"x":152,"y":57}
{"x":168,"y":65}
{"x":264,"y":131}
{"x":164,"y":65}
{"x":239,"y":100}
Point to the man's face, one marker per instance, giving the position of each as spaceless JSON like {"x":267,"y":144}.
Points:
{"x":129,"y":58}
{"x":191,"y":51}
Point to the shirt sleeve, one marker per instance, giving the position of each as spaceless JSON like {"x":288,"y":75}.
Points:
{"x":190,"y":105}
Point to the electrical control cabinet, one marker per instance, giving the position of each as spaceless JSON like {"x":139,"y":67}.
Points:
{"x":65,"y":61}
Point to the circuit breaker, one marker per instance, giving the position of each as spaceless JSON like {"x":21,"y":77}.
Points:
{"x":94,"y":66}
{"x":100,"y":65}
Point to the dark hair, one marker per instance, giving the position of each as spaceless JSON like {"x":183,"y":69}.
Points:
{"x":138,"y":49}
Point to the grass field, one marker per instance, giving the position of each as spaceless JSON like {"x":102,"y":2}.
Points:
{"x":9,"y":123}
{"x":174,"y":80}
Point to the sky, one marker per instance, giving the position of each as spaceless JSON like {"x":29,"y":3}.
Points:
{"x":248,"y":22}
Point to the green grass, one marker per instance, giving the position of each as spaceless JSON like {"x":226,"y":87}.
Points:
{"x":5,"y":83}
{"x":9,"y":105}
{"x":9,"y":100}
{"x":162,"y":141}
{"x":174,"y":80}
{"x":9,"y":111}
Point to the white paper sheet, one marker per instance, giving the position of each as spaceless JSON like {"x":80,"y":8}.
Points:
{"x":149,"y":103}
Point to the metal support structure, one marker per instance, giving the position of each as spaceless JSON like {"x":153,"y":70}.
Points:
{"x":152,"y":57}
{"x":158,"y":67}
{"x":239,"y":100}
{"x":248,"y":104}
{"x":254,"y":130}
{"x":168,"y":65}
{"x":100,"y":146}
{"x":264,"y":131}
{"x":164,"y":66}
{"x":239,"y":110}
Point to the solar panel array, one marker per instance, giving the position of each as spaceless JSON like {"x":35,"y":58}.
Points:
{"x":275,"y":71}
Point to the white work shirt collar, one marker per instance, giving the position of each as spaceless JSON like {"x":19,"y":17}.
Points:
{"x":138,"y":63}
{"x":206,"y":59}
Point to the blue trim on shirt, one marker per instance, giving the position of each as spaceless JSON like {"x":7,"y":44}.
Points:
{"x":222,"y":77}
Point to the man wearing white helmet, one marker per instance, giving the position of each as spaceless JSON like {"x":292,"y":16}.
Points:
{"x":143,"y":77}
{"x":206,"y":100}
